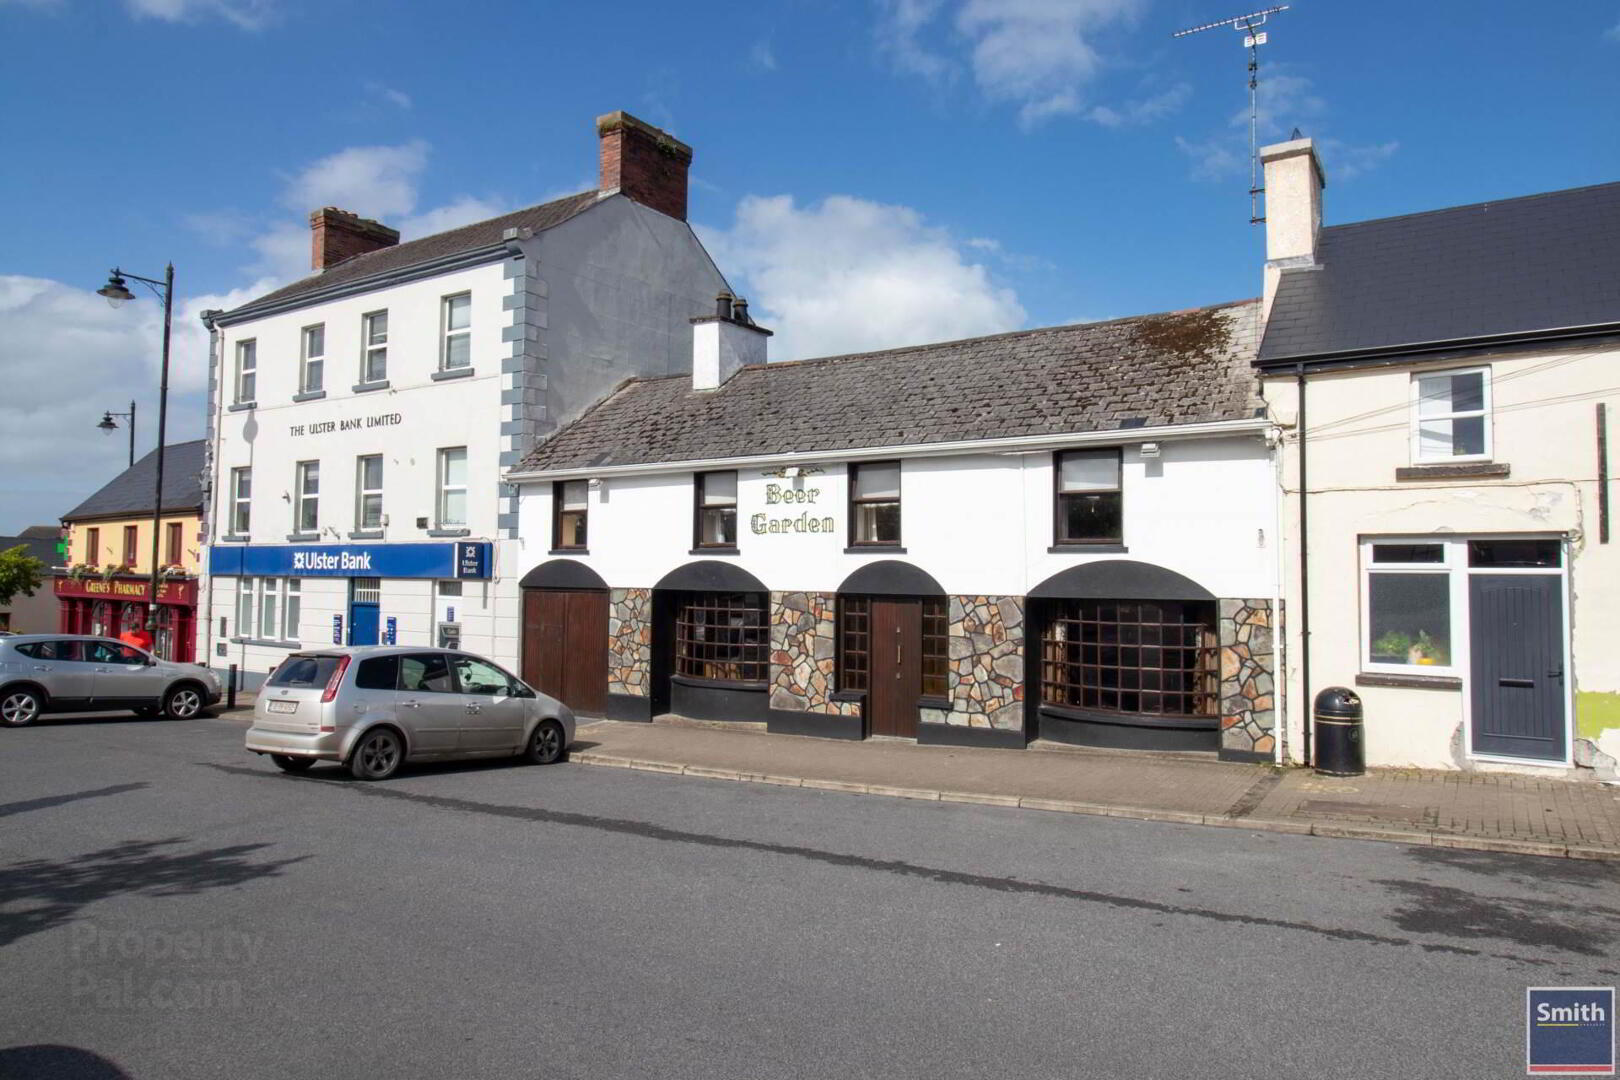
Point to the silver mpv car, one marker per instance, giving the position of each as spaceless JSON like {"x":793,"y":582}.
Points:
{"x":57,"y":673}
{"x":375,"y":707}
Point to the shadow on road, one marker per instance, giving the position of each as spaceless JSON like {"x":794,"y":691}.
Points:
{"x":47,"y":1061}
{"x":8,"y":809}
{"x":42,"y":894}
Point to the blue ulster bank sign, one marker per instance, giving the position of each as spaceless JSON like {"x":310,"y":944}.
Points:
{"x":1569,"y":1031}
{"x":461,"y":559}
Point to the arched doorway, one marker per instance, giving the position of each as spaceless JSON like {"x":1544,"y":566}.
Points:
{"x":711,"y":655}
{"x":893,"y":644}
{"x":565,"y":634}
{"x":1124,"y":654}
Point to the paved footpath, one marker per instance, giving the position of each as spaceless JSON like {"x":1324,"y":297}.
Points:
{"x":1491,"y":812}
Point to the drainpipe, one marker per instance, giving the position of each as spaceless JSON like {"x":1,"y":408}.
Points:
{"x":1304,"y":577}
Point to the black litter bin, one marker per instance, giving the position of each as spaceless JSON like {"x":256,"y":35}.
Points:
{"x":1339,"y":749}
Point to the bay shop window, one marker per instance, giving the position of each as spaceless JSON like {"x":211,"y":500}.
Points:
{"x":1157,"y":658}
{"x":723,"y":637}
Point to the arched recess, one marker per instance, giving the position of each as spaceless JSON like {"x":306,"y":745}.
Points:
{"x":711,"y":643}
{"x":562,"y":574}
{"x":711,"y":575}
{"x":1123,"y":654}
{"x":891,"y":577}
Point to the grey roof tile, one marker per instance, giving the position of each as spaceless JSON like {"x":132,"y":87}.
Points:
{"x":1541,"y":262}
{"x":1173,"y":368}
{"x":130,"y":492}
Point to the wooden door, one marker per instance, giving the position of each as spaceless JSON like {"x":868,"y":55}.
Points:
{"x":896,"y":675}
{"x":565,"y":646}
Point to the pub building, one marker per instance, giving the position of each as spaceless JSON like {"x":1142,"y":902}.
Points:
{"x":106,"y":587}
{"x":1064,"y":534}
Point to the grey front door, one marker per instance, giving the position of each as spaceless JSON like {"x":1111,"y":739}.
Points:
{"x":1516,"y":638}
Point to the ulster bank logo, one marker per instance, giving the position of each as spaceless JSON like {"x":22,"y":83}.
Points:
{"x":1569,"y":1031}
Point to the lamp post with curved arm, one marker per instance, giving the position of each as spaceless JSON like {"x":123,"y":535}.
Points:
{"x":117,"y":293}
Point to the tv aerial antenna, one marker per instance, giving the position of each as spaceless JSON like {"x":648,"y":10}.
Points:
{"x":1253,"y":37}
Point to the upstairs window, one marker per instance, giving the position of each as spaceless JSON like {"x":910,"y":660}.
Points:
{"x":92,"y":546}
{"x":308,"y":510}
{"x":1451,"y":418}
{"x":716,"y":510}
{"x":174,"y":542}
{"x":130,"y":534}
{"x":374,"y":347}
{"x":312,"y":367}
{"x":368,"y":495}
{"x":247,"y":372}
{"x":1089,"y":506}
{"x":456,"y":351}
{"x":874,"y":503}
{"x":452,"y":487}
{"x":570,"y":498}
{"x":241,"y":500}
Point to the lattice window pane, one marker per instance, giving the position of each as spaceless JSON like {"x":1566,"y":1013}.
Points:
{"x":1149,"y":657}
{"x":722,"y":636}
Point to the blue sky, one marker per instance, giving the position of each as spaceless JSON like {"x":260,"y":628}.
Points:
{"x":870,"y":172}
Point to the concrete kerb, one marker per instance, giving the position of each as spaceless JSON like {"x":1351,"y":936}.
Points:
{"x":1336,"y":830}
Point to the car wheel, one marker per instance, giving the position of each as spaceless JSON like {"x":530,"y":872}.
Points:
{"x":377,"y":755}
{"x":182,"y":703}
{"x":288,"y":763}
{"x":19,"y":708}
{"x":546,"y":745}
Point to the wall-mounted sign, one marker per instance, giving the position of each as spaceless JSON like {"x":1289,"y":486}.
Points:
{"x":806,"y":522}
{"x":169,"y":592}
{"x":450,"y":615}
{"x":460,"y":559}
{"x":354,"y":423}
{"x":337,"y":629}
{"x":391,"y":631}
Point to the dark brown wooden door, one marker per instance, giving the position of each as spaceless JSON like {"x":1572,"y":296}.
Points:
{"x":565,"y":646}
{"x":896,"y":660}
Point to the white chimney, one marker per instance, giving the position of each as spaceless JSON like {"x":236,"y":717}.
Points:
{"x":1294,"y":184}
{"x":724,"y":342}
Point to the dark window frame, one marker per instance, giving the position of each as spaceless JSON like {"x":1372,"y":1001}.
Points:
{"x":1114,"y":656}
{"x":557,"y":489}
{"x":700,"y":507}
{"x":174,"y":542}
{"x":854,"y":503}
{"x":854,"y":666}
{"x":132,"y":544}
{"x":1058,"y":495}
{"x":723,"y":637}
{"x":936,"y":647}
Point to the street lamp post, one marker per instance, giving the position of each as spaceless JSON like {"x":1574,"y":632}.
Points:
{"x":109,"y":424}
{"x":117,"y":294}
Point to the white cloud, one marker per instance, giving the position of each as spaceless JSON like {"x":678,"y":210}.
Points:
{"x":762,"y":56}
{"x":1039,"y":55}
{"x":1613,"y":32}
{"x":372,"y":181}
{"x":246,"y":14}
{"x":848,"y":275}
{"x":382,"y":92}
{"x":1143,"y":110}
{"x":460,"y":211}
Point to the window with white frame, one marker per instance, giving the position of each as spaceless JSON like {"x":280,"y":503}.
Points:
{"x":1451,"y":417}
{"x":368,"y":495}
{"x":247,"y":372}
{"x":244,"y":607}
{"x":241,"y":500}
{"x":307,"y":512}
{"x":1408,"y":623}
{"x":268,"y":609}
{"x":456,"y":318}
{"x":292,"y":609}
{"x":452,"y":509}
{"x":312,"y":364}
{"x":374,"y":347}
{"x":268,"y":628}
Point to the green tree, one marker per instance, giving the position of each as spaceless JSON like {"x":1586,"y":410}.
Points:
{"x":20,"y":572}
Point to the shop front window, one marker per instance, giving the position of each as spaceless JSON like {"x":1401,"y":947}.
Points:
{"x":1409,"y":609}
{"x":101,"y":624}
{"x":1145,"y":657}
{"x":163,"y":641}
{"x":723,"y":637}
{"x":132,"y":618}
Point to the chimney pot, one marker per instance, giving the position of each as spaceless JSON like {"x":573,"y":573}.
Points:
{"x":339,"y":235}
{"x":739,"y":312}
{"x":643,"y":163}
{"x":722,"y":305}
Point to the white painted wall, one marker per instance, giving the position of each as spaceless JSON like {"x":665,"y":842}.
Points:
{"x":979,"y":523}
{"x":1544,"y":428}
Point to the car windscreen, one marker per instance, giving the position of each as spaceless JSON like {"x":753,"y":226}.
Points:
{"x":304,"y":671}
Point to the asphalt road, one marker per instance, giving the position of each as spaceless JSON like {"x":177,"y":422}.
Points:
{"x":173,"y":907}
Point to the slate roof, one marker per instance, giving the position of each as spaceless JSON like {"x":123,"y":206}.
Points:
{"x":130,"y":492}
{"x":479,"y":234}
{"x":40,"y":547}
{"x":1174,"y":368}
{"x":1541,"y":262}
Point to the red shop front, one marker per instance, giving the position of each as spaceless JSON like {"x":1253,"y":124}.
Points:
{"x":111,"y":607}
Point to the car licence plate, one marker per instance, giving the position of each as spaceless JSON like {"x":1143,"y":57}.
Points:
{"x":282,"y":706}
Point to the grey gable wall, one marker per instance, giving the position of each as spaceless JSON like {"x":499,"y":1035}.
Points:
{"x":598,"y":299}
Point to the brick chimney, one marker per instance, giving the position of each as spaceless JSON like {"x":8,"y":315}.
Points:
{"x":644,"y":163}
{"x":1294,"y":183}
{"x":337,"y":235}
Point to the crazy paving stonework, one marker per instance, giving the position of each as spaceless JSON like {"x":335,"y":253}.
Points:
{"x":629,"y":641}
{"x":804,"y":626}
{"x":1248,"y":674}
{"x":986,"y":664}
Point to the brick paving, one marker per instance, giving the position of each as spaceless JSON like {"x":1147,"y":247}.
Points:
{"x":1494,"y":811}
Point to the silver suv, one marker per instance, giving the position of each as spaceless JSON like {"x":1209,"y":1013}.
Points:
{"x":376,"y":706}
{"x":57,"y":673}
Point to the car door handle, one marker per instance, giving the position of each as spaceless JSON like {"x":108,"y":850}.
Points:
{"x":103,"y":671}
{"x":475,"y":708}
{"x":43,"y":667}
{"x":1515,"y":682}
{"x":411,"y":704}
